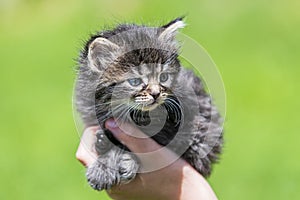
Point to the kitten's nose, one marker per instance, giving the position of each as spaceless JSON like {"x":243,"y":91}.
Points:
{"x":155,"y":95}
{"x":153,"y":90}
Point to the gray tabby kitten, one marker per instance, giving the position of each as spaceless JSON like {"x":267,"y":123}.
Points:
{"x":132,"y":74}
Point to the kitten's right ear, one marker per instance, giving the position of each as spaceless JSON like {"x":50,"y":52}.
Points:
{"x":170,"y":29}
{"x":101,"y":53}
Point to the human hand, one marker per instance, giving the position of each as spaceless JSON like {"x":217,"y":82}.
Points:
{"x":177,"y":181}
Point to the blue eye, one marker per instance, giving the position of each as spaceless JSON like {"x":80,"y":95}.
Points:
{"x":163,"y":77}
{"x":135,"y":81}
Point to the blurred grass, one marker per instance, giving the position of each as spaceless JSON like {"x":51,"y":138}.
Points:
{"x":254,"y":43}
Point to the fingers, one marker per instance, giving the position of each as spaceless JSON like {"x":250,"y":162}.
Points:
{"x":152,"y":155}
{"x":132,"y":137}
{"x":86,"y":153}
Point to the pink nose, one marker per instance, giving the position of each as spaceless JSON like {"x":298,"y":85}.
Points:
{"x":155,"y":95}
{"x":154,"y":90}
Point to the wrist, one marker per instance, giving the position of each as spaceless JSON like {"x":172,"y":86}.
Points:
{"x":194,"y":186}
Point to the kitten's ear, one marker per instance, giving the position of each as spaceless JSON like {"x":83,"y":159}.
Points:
{"x":170,"y":29}
{"x":101,"y":53}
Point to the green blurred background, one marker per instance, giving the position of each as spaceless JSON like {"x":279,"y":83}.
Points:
{"x":256,"y":45}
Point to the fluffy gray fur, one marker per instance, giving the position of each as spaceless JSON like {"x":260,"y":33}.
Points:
{"x":105,"y":81}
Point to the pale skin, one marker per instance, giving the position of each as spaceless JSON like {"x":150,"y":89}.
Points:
{"x":177,"y":181}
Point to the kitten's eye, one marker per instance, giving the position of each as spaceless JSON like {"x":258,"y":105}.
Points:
{"x":135,"y":81}
{"x":163,"y":77}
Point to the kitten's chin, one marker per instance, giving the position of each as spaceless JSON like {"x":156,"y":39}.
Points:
{"x":150,"y":107}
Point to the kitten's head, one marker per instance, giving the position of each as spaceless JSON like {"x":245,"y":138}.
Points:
{"x":141,"y":62}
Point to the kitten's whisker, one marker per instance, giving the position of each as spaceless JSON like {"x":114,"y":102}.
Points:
{"x":119,"y":101}
{"x":121,"y":114}
{"x":176,"y":108}
{"x":124,"y":117}
{"x":175,"y":102}
{"x":118,"y":109}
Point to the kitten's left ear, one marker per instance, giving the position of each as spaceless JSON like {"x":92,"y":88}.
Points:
{"x":170,"y":29}
{"x":101,"y":53}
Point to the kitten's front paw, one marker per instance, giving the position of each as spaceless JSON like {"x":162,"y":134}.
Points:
{"x":113,"y":168}
{"x":102,"y":177}
{"x":128,"y":168}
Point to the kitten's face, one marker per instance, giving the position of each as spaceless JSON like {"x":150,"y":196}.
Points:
{"x":137,"y":66}
{"x":146,"y":86}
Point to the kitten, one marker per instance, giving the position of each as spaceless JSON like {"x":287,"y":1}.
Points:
{"x":132,"y":74}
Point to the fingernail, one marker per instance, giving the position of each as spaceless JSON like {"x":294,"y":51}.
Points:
{"x":111,"y":123}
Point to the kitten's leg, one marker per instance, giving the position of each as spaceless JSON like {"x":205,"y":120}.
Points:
{"x":204,"y":151}
{"x":128,"y":165}
{"x":104,"y":172}
{"x":113,"y":166}
{"x":196,"y":156}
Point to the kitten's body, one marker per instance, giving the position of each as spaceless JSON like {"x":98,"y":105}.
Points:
{"x":122,"y":75}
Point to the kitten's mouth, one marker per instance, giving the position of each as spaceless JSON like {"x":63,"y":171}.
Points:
{"x":150,"y":106}
{"x":147,"y":104}
{"x":153,"y":105}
